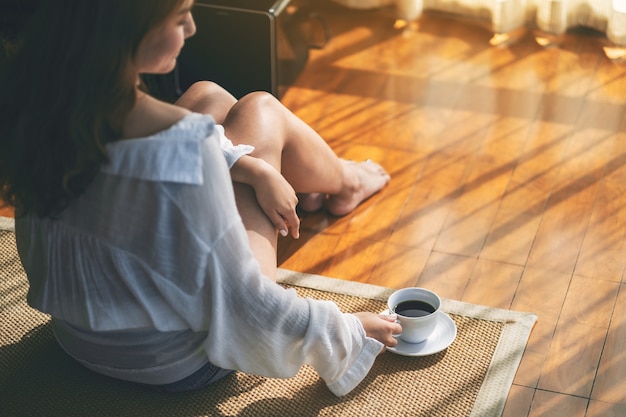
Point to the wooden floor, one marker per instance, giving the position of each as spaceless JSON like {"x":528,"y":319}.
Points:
{"x":508,"y":186}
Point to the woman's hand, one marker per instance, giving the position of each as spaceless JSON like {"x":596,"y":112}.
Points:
{"x":381,"y":327}
{"x":275,"y":195}
{"x":278,"y":200}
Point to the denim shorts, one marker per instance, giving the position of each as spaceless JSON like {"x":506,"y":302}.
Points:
{"x":202,"y":378}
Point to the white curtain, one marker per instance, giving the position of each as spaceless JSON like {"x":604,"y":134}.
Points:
{"x":551,"y":16}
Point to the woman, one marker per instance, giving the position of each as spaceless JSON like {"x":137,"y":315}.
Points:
{"x":155,"y":261}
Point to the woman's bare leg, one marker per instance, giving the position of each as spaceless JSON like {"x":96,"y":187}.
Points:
{"x":303,"y":151}
{"x":262,"y":234}
{"x":210,"y":98}
{"x":301,"y":155}
{"x":295,"y":150}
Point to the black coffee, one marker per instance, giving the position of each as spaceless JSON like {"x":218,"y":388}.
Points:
{"x":414,"y":308}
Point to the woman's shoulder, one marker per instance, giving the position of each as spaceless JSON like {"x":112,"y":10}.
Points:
{"x":150,"y":116}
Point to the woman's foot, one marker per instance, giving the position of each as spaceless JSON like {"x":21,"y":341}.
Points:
{"x":311,"y":202}
{"x":362,"y":180}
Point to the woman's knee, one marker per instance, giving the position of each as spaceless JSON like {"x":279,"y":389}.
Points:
{"x":261,"y":99}
{"x":202,"y":88}
{"x":257,"y":119}
{"x":259,"y":107}
{"x":208,"y":97}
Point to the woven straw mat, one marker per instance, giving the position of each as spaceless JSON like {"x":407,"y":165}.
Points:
{"x":38,"y":379}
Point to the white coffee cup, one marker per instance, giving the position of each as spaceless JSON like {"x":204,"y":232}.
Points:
{"x":417,"y":310}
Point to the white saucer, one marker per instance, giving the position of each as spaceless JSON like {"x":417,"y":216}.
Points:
{"x":442,"y":337}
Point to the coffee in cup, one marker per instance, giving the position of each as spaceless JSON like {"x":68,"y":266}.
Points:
{"x":417,"y":310}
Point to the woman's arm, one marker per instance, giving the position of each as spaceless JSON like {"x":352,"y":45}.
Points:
{"x":274,"y":194}
{"x":255,"y":325}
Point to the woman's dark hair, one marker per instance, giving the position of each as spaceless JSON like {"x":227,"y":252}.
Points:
{"x":65,"y":94}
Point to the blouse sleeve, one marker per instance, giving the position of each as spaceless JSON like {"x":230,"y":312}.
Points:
{"x":255,"y":325}
{"x":231,"y":152}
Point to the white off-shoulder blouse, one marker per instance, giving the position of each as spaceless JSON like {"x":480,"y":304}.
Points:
{"x":148,"y":275}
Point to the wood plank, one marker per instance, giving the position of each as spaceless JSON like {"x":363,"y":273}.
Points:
{"x":427,"y":207}
{"x":603,"y":253}
{"x":554,"y":404}
{"x":447,"y":274}
{"x":601,"y":409}
{"x":493,"y":284}
{"x":609,"y":383}
{"x":579,"y":338}
{"x":522,"y":208}
{"x":399,"y":266}
{"x":354,"y":258}
{"x":542,"y":293}
{"x":562,"y":230}
{"x":472,"y":213}
{"x":513,"y":231}
{"x":518,"y":402}
{"x":311,"y":253}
